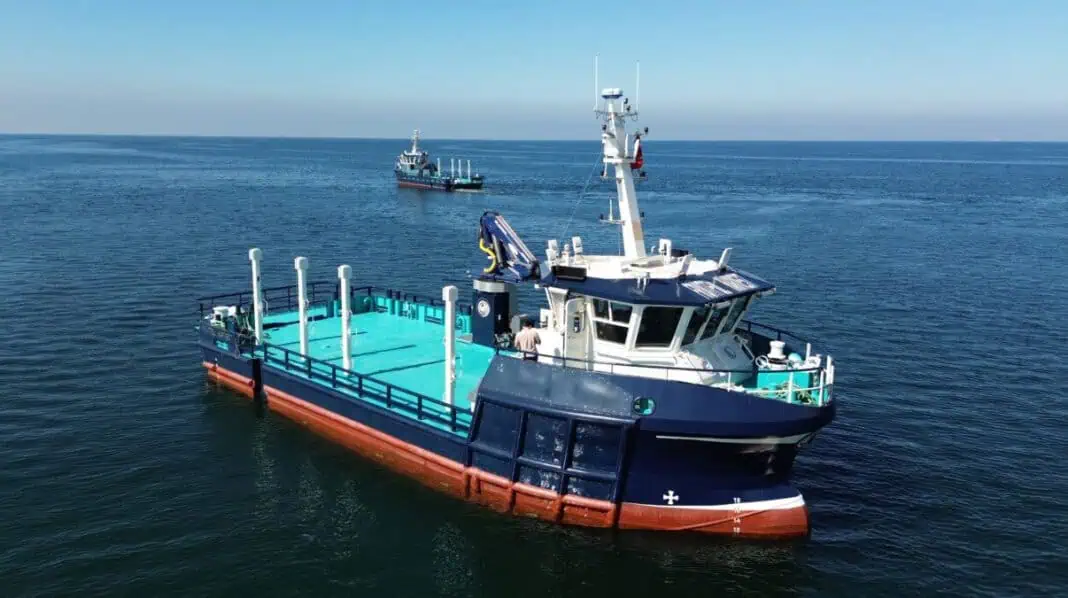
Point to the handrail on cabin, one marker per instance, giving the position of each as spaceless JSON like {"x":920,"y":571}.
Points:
{"x":749,"y":328}
{"x":820,"y":389}
{"x":780,"y":334}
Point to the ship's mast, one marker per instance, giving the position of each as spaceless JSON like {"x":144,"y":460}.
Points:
{"x":415,"y":141}
{"x":617,"y":145}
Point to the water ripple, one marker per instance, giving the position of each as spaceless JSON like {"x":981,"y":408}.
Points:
{"x":928,"y":270}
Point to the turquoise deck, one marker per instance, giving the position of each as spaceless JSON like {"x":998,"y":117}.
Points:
{"x":398,"y":346}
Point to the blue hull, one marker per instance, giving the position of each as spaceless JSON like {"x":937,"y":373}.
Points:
{"x":708,"y":445}
{"x":442,"y":183}
{"x":569,"y":445}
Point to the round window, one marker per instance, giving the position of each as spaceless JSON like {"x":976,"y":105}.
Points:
{"x":644,"y":406}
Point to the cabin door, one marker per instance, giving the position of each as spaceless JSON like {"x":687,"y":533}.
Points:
{"x":576,"y":334}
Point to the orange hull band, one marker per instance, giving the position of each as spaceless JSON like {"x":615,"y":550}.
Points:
{"x":503,"y":495}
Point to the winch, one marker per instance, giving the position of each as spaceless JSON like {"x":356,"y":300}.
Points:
{"x":220,"y":314}
{"x":776,"y":359}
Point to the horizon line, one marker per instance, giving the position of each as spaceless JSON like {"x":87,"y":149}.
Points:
{"x":361,"y":138}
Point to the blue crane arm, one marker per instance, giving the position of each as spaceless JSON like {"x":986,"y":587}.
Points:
{"x":510,"y":260}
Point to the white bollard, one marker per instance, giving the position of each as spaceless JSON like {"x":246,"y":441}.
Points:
{"x":301,"y":265}
{"x":449,"y":295}
{"x":344,"y":274}
{"x":255,"y":256}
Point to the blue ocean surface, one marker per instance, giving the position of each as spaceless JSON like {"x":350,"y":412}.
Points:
{"x":935,"y":273}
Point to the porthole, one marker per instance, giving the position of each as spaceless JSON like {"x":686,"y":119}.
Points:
{"x":644,"y":406}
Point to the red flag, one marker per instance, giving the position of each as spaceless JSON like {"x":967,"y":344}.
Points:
{"x":638,"y":160}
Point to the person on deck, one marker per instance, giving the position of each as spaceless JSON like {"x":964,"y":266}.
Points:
{"x":527,"y":341}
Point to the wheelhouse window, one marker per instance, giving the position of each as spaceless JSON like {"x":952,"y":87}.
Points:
{"x":611,"y":320}
{"x":737,"y":309}
{"x":697,"y":318}
{"x":657,"y":326}
{"x":611,"y":333}
{"x":611,"y":310}
{"x":718,"y":313}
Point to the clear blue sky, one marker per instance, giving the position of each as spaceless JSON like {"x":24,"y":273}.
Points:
{"x":745,"y":69}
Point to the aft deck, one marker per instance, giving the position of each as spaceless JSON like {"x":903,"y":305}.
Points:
{"x":400,"y":351}
{"x":397,"y":344}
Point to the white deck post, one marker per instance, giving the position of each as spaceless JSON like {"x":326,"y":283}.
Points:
{"x":828,"y":378}
{"x":255,"y":256}
{"x":344,"y":275}
{"x":468,"y":169}
{"x":301,"y":265}
{"x":449,"y":295}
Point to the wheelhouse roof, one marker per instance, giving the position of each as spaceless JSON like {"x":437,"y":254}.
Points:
{"x":687,"y":291}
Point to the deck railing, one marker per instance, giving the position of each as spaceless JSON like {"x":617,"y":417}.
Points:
{"x":462,"y":307}
{"x":791,"y":339}
{"x":817,"y":393}
{"x":284,"y":298}
{"x":788,"y":390}
{"x":422,"y":407}
{"x":574,"y":362}
{"x":749,"y":327}
{"x":274,"y":298}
